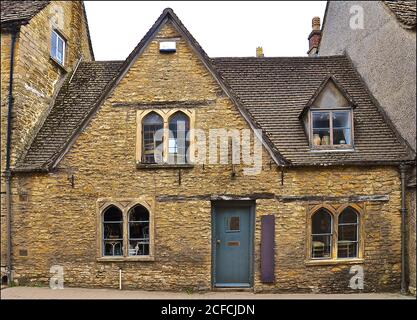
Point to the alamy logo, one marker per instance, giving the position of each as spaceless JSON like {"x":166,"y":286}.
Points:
{"x":356,"y":282}
{"x":57,"y":280}
{"x":356,"y":18}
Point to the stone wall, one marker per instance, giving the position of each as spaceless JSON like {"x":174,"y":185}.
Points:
{"x":411,"y":225}
{"x":56,"y":223}
{"x":383,"y":52}
{"x":36,"y":78}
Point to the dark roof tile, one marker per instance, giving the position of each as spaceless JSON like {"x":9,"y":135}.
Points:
{"x":20,"y":12}
{"x":405,"y":11}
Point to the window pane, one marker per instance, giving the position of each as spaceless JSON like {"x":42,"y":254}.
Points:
{"x":347,"y":242}
{"x":138,"y":248}
{"x":138,"y":231}
{"x":347,"y":250}
{"x":321,"y":120}
{"x":53,"y":44}
{"x":348,"y":215}
{"x":341,"y":136}
{"x":321,"y":222}
{"x":233,"y":224}
{"x":179,"y":126}
{"x":113,"y":248}
{"x":112,"y":213}
{"x":321,"y":137}
{"x":113,"y":230}
{"x":341,"y":119}
{"x":347,"y":232}
{"x":138,"y":213}
{"x":60,"y":51}
{"x":321,"y":246}
{"x":151,"y":124}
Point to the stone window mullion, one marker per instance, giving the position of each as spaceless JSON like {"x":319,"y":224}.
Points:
{"x":335,"y":234}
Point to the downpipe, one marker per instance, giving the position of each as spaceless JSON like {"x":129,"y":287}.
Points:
{"x":8,"y":173}
{"x":403,"y":169}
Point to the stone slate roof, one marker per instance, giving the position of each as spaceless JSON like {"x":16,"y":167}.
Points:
{"x":405,"y":11}
{"x":276,"y":90}
{"x":20,"y":12}
{"x":72,"y":104}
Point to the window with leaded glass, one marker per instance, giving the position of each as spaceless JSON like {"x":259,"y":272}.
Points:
{"x":138,"y":231}
{"x":178,"y":143}
{"x":321,"y":234}
{"x":112,"y":231}
{"x":331,"y":128}
{"x":150,"y":141}
{"x":347,"y":241}
{"x":57,"y":47}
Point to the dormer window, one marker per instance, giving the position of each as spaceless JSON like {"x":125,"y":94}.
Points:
{"x":331,"y":128}
{"x":57,"y":47}
{"x":328,"y":117}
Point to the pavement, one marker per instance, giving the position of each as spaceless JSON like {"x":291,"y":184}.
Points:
{"x":83,"y":293}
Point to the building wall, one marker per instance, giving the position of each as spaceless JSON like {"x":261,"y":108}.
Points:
{"x":36,"y":77}
{"x":384,"y":54}
{"x":56,"y":224}
{"x":411,"y":213}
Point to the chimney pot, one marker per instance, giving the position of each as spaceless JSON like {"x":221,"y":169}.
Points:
{"x":259,"y":52}
{"x":316,"y":23}
{"x":314,"y":37}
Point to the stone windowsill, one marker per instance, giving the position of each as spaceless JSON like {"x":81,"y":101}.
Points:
{"x":333,"y":262}
{"x":141,"y":165}
{"x":58,"y":64}
{"x":126,"y":259}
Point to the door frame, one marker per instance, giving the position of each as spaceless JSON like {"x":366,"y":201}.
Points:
{"x":215,"y":204}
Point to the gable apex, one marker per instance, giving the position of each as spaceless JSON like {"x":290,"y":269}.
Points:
{"x":330,"y":79}
{"x":169,"y":15}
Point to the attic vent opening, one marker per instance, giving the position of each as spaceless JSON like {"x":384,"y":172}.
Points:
{"x":167,"y":46}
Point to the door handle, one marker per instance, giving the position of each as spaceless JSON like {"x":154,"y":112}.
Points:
{"x":218,"y":241}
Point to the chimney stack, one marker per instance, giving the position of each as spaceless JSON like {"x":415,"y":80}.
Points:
{"x":314,"y":37}
{"x":259,"y":52}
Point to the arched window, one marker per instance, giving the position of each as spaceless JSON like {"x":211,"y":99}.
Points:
{"x":150,"y":125}
{"x":347,"y":240}
{"x":138,"y":231}
{"x":112,"y":231}
{"x":321,"y":234}
{"x":178,"y":144}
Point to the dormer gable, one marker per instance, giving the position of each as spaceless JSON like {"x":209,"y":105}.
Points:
{"x":328,"y":117}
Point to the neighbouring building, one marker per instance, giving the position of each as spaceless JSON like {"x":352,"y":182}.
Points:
{"x":172,"y":170}
{"x":380,"y":39}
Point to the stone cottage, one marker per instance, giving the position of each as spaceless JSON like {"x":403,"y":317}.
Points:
{"x":172,"y":170}
{"x":389,"y":71}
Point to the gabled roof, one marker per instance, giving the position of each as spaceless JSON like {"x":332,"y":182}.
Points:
{"x":73,"y":102}
{"x":55,"y":154}
{"x":405,"y":12}
{"x":326,"y":80}
{"x":270,"y":93}
{"x":275,"y":91}
{"x":19,"y":12}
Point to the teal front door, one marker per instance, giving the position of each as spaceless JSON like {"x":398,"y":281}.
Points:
{"x":232,"y":246}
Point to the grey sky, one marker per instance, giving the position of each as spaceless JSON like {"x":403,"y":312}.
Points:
{"x":223,"y":29}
